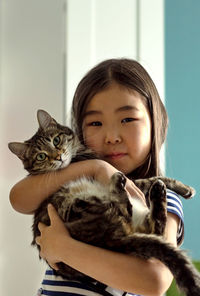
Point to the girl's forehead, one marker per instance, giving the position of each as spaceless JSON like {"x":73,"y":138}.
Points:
{"x":116,"y":96}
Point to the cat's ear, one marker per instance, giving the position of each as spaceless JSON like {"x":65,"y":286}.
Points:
{"x":18,"y":148}
{"x":44,"y":119}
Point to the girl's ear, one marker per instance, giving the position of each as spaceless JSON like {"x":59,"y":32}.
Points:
{"x":44,"y":119}
{"x":19,"y":149}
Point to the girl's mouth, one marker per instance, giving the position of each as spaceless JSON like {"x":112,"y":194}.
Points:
{"x":115,"y":156}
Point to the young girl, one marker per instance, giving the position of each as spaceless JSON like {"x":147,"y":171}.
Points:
{"x":118,"y":113}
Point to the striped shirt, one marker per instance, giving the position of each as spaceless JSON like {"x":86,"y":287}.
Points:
{"x":175,"y":206}
{"x":54,"y":285}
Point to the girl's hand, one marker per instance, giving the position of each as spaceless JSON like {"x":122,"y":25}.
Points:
{"x":52,"y":238}
{"x":103,"y":173}
{"x":135,"y":192}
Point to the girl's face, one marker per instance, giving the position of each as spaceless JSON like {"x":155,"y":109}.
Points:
{"x":117,"y":126}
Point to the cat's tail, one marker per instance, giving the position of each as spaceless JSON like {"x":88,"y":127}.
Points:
{"x":184,"y":190}
{"x":151,"y":246}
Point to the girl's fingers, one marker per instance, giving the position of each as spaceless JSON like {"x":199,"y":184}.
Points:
{"x":41,"y":226}
{"x":38,"y":240}
{"x":53,"y":265}
{"x":135,"y":192}
{"x":53,"y":215}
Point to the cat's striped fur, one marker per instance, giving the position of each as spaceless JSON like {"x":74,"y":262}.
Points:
{"x":101,"y":215}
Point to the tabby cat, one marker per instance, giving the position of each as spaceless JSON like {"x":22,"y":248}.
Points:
{"x":102,"y":215}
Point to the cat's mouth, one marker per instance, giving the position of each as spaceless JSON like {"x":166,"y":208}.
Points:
{"x":64,"y":163}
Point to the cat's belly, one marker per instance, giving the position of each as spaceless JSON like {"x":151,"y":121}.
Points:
{"x":85,"y":187}
{"x":140,"y":212}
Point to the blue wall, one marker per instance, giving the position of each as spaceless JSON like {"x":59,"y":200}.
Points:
{"x":182,"y":93}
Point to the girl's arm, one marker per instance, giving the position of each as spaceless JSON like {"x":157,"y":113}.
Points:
{"x":120,"y":271}
{"x":28,"y":193}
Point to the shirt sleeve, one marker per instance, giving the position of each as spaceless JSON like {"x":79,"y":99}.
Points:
{"x":175,"y":206}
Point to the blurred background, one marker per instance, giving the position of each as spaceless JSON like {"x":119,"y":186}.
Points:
{"x":45,"y":49}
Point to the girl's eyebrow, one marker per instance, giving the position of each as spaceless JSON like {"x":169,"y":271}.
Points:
{"x":120,"y":109}
{"x":92,"y":112}
{"x":127,"y":108}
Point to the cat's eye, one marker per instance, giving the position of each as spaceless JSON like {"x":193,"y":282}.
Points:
{"x":41,"y":156}
{"x":56,"y":141}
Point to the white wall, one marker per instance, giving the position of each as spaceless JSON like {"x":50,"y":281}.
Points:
{"x":114,"y":28}
{"x":31,"y":78}
{"x":98,"y":30}
{"x":34,"y":36}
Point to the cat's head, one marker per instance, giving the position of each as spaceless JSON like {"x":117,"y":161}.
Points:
{"x":51,"y":148}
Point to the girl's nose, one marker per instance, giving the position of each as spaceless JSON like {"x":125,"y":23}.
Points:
{"x":112,"y":137}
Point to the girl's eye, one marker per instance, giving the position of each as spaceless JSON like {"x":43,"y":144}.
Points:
{"x":56,"y":141}
{"x":128,"y":119}
{"x":95,"y":123}
{"x":41,"y":156}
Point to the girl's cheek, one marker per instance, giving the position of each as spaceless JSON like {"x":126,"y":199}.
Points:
{"x":94,"y":144}
{"x":89,"y":140}
{"x":91,"y":136}
{"x":86,"y":136}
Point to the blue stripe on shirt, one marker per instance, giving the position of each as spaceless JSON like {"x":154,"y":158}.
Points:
{"x":174,"y":206}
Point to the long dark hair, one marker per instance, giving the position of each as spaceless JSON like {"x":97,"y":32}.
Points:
{"x":130,"y":74}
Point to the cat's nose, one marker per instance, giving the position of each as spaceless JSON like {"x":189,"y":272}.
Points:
{"x":58,"y":157}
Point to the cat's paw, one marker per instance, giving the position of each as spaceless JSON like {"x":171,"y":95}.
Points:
{"x":118,"y":181}
{"x":158,"y":191}
{"x":158,"y":206}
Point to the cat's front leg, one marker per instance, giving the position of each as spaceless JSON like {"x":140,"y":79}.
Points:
{"x":118,"y":192}
{"x":117,"y":183}
{"x":158,"y":207}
